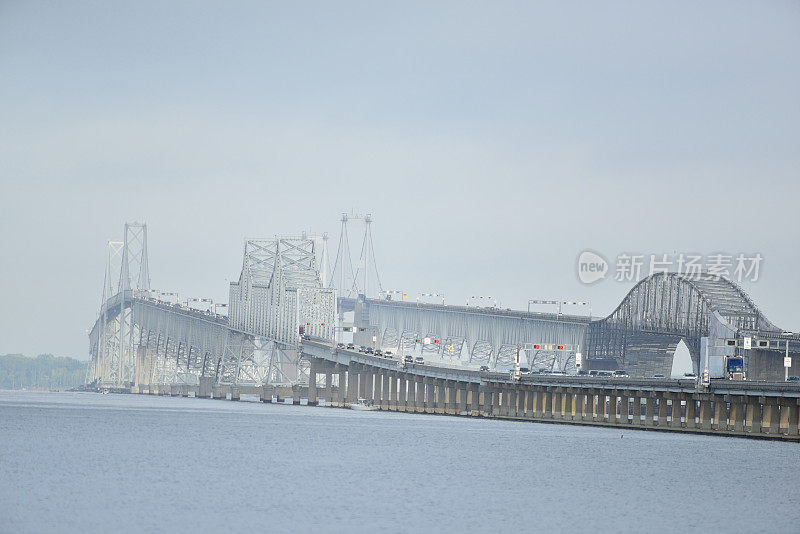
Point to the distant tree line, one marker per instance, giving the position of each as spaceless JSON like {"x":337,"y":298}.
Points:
{"x":42,"y":372}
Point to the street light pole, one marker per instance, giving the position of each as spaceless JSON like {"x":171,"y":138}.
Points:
{"x":786,"y":369}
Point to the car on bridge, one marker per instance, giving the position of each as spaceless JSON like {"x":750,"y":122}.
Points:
{"x":621,"y":373}
{"x":350,"y":346}
{"x":408,"y":359}
{"x":794,"y":379}
{"x":659,"y":376}
{"x":419,"y":359}
{"x":484,"y":368}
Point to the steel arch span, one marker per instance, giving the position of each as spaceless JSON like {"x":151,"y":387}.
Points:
{"x":642,"y":333}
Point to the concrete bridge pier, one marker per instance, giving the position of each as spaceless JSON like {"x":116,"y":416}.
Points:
{"x":475,"y":399}
{"x":521,"y":393}
{"x":402,"y":392}
{"x":342,"y":391}
{"x":368,"y":377}
{"x":649,"y":410}
{"x":792,"y":419}
{"x":737,"y":413}
{"x":637,"y":409}
{"x":588,"y":408}
{"x":420,"y":397}
{"x":691,"y":412}
{"x":720,"y":414}
{"x":391,"y":401}
{"x":567,"y":396}
{"x":411,"y":395}
{"x":352,"y":384}
{"x":675,"y":417}
{"x":773,"y":414}
{"x":662,"y":411}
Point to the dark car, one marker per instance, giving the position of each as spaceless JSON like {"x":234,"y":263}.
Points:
{"x":794,"y":379}
{"x":350,"y":346}
{"x":368,"y":350}
{"x":340,"y":345}
{"x":408,"y":359}
{"x":484,"y":368}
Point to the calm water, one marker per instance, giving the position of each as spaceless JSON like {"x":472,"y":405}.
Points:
{"x":73,"y":462}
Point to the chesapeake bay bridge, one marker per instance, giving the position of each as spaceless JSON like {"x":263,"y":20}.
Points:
{"x":288,"y":316}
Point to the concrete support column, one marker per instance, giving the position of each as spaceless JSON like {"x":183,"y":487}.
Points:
{"x":637,"y":410}
{"x":452,"y":398}
{"x":380,"y":378}
{"x":328,"y":387}
{"x":783,"y":428}
{"x":342,"y":389}
{"x":557,"y":404}
{"x":530,"y":396}
{"x":475,"y":398}
{"x":364,"y":377}
{"x":428,"y":392}
{"x":392,"y":400}
{"x":675,"y":416}
{"x":521,"y":393}
{"x":649,"y":410}
{"x":421,"y":394}
{"x":462,"y":397}
{"x":793,"y":419}
{"x":411,"y":404}
{"x":312,"y":381}
{"x":548,"y":404}
{"x":662,"y":410}
{"x":588,"y":407}
{"x":352,"y":383}
{"x":485,"y":401}
{"x":402,"y":392}
{"x":774,"y":416}
{"x":510,"y":401}
{"x":753,"y":417}
{"x":441,"y":395}
{"x":737,"y":414}
{"x":691,"y":411}
{"x":625,"y":399}
{"x":705,"y":414}
{"x":611,"y":407}
{"x":720,"y":414}
{"x":568,"y":396}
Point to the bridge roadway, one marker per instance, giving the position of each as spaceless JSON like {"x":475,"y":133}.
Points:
{"x":747,"y":409}
{"x":754,"y":409}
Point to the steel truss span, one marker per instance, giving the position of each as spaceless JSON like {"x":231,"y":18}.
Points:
{"x":139,"y":340}
{"x":477,"y":335}
{"x":642,"y":333}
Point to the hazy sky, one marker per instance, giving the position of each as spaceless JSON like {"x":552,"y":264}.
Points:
{"x":491,"y":141}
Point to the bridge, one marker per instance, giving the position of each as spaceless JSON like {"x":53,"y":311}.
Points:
{"x":284,"y":307}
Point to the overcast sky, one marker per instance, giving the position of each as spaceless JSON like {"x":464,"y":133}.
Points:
{"x":491,"y":141}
